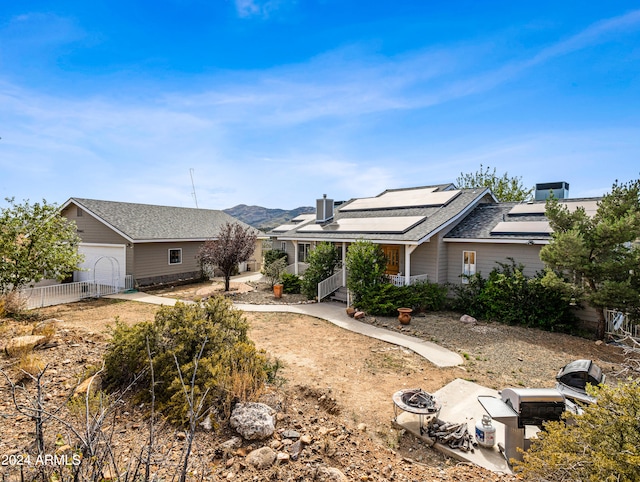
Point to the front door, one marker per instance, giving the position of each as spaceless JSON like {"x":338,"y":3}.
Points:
{"x":392,"y":253}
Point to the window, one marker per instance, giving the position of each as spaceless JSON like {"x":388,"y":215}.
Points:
{"x":175,"y":256}
{"x":79,"y":212}
{"x":468,"y":264}
{"x":283,"y":246}
{"x":303,"y":251}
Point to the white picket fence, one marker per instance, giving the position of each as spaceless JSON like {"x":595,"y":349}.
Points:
{"x":40,"y":297}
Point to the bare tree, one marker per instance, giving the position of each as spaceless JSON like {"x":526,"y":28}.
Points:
{"x":235,"y":244}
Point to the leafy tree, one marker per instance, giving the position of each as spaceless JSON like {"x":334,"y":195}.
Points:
{"x":323,"y":261}
{"x":270,"y":255}
{"x":366,"y":266}
{"x":602,"y":444}
{"x":274,"y":270}
{"x":599,"y":254}
{"x":35,"y":242}
{"x":235,"y":244}
{"x":504,"y":188}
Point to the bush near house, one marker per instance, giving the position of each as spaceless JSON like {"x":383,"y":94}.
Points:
{"x":291,"y":283}
{"x":508,"y":296}
{"x":272,"y":255}
{"x":385,"y":299}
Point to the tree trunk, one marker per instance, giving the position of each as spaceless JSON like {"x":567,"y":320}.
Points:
{"x":227,"y":282}
{"x":601,"y":324}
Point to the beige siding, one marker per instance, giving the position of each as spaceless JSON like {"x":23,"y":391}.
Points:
{"x":488,"y":254}
{"x":152,"y":259}
{"x":90,"y":229}
{"x":423,"y":261}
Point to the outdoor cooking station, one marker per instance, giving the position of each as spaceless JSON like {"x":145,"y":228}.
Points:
{"x":521,"y":407}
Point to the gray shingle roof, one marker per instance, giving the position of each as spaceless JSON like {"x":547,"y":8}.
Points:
{"x":436,"y":218}
{"x":485,"y":217}
{"x":153,"y":223}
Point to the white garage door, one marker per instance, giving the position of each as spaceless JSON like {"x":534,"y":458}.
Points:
{"x":104,"y":263}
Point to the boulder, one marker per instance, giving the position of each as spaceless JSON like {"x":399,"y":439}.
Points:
{"x":254,"y":421}
{"x":468,"y":319}
{"x":261,"y":458}
{"x":358,"y":315}
{"x":23,"y":344}
{"x":232,"y":444}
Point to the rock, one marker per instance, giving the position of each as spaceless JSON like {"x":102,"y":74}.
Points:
{"x":358,"y":315}
{"x":23,"y":344}
{"x":330,"y":474}
{"x":306,"y":439}
{"x":46,"y":327}
{"x":230,"y":462}
{"x":276,"y":444}
{"x":291,"y":434}
{"x":295,"y":450}
{"x":351,"y":311}
{"x":282,"y":457}
{"x":254,"y":421}
{"x":232,"y":444}
{"x":468,"y":319}
{"x":261,"y":458}
{"x":181,"y":436}
{"x":91,"y":384}
{"x":362,"y":427}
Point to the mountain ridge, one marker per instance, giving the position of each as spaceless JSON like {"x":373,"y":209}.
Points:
{"x":266,"y":219}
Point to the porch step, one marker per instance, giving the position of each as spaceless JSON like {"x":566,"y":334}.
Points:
{"x":340,"y":295}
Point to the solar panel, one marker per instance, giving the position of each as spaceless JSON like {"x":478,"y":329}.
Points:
{"x":522,"y":227}
{"x":528,"y":208}
{"x":590,"y":207}
{"x":379,"y":225}
{"x":284,"y":227}
{"x":402,"y":199}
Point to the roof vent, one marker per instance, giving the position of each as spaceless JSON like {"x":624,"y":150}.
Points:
{"x":324,"y":209}
{"x":560,"y":190}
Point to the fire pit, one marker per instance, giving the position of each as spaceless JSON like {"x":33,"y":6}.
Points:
{"x":417,"y":402}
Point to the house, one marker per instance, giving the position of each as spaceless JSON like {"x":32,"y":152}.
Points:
{"x":410,"y":225}
{"x":153,"y":244}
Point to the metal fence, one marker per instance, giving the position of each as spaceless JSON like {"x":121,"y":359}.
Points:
{"x":40,"y":297}
{"x":618,"y":323}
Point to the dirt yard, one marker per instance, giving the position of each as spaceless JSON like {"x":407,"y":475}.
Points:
{"x":324,"y":362}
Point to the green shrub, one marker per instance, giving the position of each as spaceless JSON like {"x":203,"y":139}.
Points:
{"x":291,"y":283}
{"x":601,"y":444}
{"x":508,"y":296}
{"x":230,"y":368}
{"x":385,"y":299}
{"x":274,"y":270}
{"x":366,"y":265}
{"x":323,"y":261}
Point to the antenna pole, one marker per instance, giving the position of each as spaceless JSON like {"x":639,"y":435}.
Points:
{"x":193,"y":193}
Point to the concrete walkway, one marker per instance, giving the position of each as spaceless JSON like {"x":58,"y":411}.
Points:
{"x":334,"y":313}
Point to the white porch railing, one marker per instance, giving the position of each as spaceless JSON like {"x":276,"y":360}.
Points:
{"x":70,"y":292}
{"x":329,"y":285}
{"x":399,"y":279}
{"x":618,"y":324}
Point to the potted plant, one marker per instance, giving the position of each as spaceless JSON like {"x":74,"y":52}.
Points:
{"x":277,"y":290}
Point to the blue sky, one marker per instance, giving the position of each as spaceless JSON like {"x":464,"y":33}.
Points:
{"x":277,"y":102}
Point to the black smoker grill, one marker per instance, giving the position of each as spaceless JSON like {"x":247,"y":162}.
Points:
{"x":573,"y":378}
{"x":521,"y":407}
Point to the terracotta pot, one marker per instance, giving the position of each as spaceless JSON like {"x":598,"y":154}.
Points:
{"x":404,"y":316}
{"x":277,"y":290}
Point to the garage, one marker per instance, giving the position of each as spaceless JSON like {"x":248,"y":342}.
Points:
{"x":103,"y":263}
